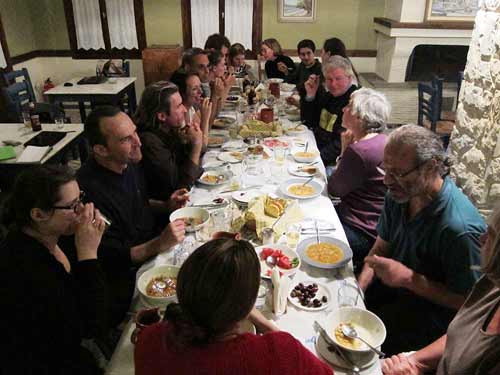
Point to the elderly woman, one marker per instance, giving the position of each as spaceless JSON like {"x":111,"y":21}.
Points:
{"x":171,"y":148}
{"x":358,"y":180}
{"x":472,"y":342}
{"x":48,"y":304}
{"x":277,"y":64}
{"x":322,"y":110}
{"x":217,"y":288}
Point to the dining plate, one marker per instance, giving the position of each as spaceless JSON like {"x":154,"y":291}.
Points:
{"x":215,"y":177}
{"x":265,"y":269}
{"x":305,"y":243}
{"x":216,"y":141}
{"x":286,"y":185}
{"x":287,"y":87}
{"x":231,"y":156}
{"x":223,"y":122}
{"x":234,"y":145}
{"x":323,"y":291}
{"x":275,"y":142}
{"x":300,"y":170}
{"x":297,"y":130}
{"x":245,"y":196}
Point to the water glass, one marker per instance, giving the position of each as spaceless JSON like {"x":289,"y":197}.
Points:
{"x":279,"y":154}
{"x":260,"y":302}
{"x":183,"y":251}
{"x":220,"y":220}
{"x":293,"y":235}
{"x":347,"y":295}
{"x":59,"y":120}
{"x":26,"y":119}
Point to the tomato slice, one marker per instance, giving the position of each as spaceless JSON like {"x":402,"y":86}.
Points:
{"x":284,"y":262}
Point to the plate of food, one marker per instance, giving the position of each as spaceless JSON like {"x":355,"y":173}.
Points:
{"x":216,"y":141}
{"x":215,"y":177}
{"x":305,"y":156}
{"x":278,"y":255}
{"x":310,"y":295}
{"x":275,"y":142}
{"x":234,"y":145}
{"x":297,"y":130}
{"x":194,"y":217}
{"x":231,"y":156}
{"x":157,"y":286}
{"x":274,"y":80}
{"x":293,"y":113}
{"x":233,"y":98}
{"x":223,"y":122}
{"x":295,"y":188}
{"x":303,"y":170}
{"x":245,"y":197}
{"x":287,"y":87}
{"x":329,"y":253}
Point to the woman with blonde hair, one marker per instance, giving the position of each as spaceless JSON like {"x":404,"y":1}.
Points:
{"x":277,"y":64}
{"x":472,"y":343}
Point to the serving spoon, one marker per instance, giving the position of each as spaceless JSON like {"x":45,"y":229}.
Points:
{"x":351,"y":332}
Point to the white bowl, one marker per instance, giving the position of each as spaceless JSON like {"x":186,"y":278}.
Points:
{"x":285,"y":185}
{"x":306,"y":242}
{"x":368,"y":325}
{"x":146,"y":277}
{"x":195,"y":212}
{"x":305,"y":159}
{"x":274,"y":80}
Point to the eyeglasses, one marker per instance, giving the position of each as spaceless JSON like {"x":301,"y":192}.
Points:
{"x":398,"y":176}
{"x":73,"y":206}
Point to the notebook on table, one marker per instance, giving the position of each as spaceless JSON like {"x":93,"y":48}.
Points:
{"x":34,"y":154}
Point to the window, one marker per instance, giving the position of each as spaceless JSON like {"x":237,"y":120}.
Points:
{"x":239,"y":20}
{"x":105,"y":28}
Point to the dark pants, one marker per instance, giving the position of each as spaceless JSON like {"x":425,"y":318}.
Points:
{"x":360,"y":244}
{"x":411,"y":322}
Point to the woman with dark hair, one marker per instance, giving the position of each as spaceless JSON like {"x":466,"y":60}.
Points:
{"x":217,"y":288}
{"x":171,"y":148}
{"x":332,"y":47}
{"x":220,"y":81}
{"x":198,"y":109}
{"x":358,"y":179}
{"x":236,"y":62}
{"x":49,"y":304}
{"x":277,"y":64}
{"x":472,"y":343}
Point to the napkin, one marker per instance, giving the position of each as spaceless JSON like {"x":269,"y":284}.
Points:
{"x":308,"y":225}
{"x":280,"y":291}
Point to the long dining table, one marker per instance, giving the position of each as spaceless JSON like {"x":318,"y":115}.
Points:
{"x":296,"y":321}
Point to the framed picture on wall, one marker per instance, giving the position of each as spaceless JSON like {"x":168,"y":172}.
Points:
{"x":296,"y":10}
{"x":451,"y":10}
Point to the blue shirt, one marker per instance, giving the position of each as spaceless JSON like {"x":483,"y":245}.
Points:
{"x":441,"y":242}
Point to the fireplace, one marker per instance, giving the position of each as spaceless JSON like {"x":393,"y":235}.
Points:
{"x":427,"y":60}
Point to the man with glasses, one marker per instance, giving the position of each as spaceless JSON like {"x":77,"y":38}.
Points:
{"x":421,"y":267}
{"x":113,"y":180}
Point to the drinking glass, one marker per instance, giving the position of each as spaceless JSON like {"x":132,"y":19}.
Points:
{"x":347,"y":295}
{"x":293,"y":235}
{"x":59,"y":120}
{"x":279,"y":154}
{"x":27,"y":119}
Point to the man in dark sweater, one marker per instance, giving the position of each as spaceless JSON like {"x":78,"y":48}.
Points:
{"x":308,"y":64}
{"x":113,"y":180}
{"x":321,"y":110}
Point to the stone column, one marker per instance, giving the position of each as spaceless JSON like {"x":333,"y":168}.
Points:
{"x":475,"y":141}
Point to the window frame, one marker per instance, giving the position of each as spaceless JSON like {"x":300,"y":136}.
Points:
{"x":108,"y":52}
{"x":5,"y":48}
{"x":256,"y":29}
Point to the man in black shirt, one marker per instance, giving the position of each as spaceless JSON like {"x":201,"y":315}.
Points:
{"x":321,"y":110}
{"x":113,"y":180}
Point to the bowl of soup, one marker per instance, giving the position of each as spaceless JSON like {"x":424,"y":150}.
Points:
{"x":328,"y":253}
{"x":194,"y":217}
{"x":300,"y":188}
{"x":368,"y":325}
{"x":157,"y":286}
{"x":305,"y":156}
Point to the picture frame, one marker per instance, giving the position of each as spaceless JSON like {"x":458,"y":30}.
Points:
{"x":451,"y":10}
{"x":297,"y":10}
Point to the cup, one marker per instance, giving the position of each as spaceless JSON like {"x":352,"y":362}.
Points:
{"x":233,"y":131}
{"x":59,"y":121}
{"x":274,"y":89}
{"x":26,"y":119}
{"x":143,"y":319}
{"x":267,"y":236}
{"x":260,"y":302}
{"x":279,"y":154}
{"x":267,"y":115}
{"x":293,"y":235}
{"x":347,"y":295}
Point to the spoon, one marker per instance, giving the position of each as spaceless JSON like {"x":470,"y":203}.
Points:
{"x":351,"y":332}
{"x":308,"y":180}
{"x":307,"y":145}
{"x":317,"y":231}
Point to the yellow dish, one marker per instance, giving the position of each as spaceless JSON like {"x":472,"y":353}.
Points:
{"x":344,"y":340}
{"x":325,"y":252}
{"x":301,"y":190}
{"x":303,"y":154}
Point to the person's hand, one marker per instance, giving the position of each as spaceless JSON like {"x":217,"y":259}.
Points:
{"x":194,"y":133}
{"x":292,"y":101}
{"x":230,"y":69}
{"x":88,"y":232}
{"x":282,"y":68}
{"x":391,"y":272}
{"x":346,"y":139}
{"x":219,"y":87}
{"x":229,"y":81}
{"x":311,"y":85}
{"x":179,"y":198}
{"x":206,"y":109}
{"x":400,"y":365}
{"x":173,"y":234}
{"x":261,"y":323}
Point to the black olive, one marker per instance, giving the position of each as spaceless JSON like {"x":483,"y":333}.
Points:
{"x":304,"y":303}
{"x":324,"y":299}
{"x":315,"y":285}
{"x":297,"y":287}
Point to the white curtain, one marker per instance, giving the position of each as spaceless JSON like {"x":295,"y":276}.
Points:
{"x":121,"y":24}
{"x":88,"y":24}
{"x":3,"y":63}
{"x":238,"y":22}
{"x":204,"y":20}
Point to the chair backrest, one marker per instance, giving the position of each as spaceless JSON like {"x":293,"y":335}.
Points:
{"x":460,"y":78}
{"x":12,"y":78}
{"x":437,"y":83}
{"x":428,"y":105}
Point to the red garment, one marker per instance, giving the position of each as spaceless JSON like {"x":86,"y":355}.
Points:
{"x":272,"y":353}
